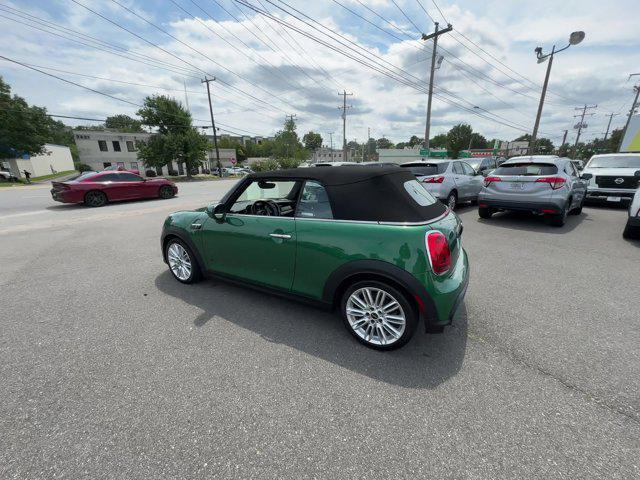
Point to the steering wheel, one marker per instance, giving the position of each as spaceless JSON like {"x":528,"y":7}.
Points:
{"x":268,"y":208}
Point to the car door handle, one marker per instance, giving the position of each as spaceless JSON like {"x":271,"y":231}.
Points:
{"x":280,"y":235}
{"x":196,"y":226}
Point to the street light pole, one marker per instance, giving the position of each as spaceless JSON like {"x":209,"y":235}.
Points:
{"x":574,"y":39}
{"x":534,"y":135}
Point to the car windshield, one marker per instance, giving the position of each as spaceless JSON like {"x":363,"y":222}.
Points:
{"x":615,"y":161}
{"x":427,"y":168}
{"x":474,"y":162}
{"x":532,"y":169}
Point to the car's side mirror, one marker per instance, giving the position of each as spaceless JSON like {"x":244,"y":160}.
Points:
{"x":637,"y":174}
{"x":216,"y":211}
{"x":586,"y":176}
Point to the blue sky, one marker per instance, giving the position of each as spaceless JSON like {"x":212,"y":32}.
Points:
{"x":267,"y":70}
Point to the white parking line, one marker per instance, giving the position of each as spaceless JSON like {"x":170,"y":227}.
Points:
{"x":13,"y":215}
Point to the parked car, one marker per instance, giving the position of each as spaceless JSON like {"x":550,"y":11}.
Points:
{"x":579,"y":164}
{"x":237,"y":171}
{"x":612,"y":177}
{"x":483,"y":165}
{"x":378,"y":164}
{"x":7,"y":176}
{"x":332,"y":164}
{"x":328,"y":236}
{"x":450,"y":181}
{"x":542,"y":184}
{"x":95,"y":189}
{"x":632,"y":228}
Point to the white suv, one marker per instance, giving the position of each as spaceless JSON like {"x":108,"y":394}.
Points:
{"x":613,"y":177}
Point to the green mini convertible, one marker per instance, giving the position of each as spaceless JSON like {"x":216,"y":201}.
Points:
{"x":371,"y":243}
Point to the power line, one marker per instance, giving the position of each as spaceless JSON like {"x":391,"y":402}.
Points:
{"x":382,"y":70}
{"x":89,"y":88}
{"x":405,"y":15}
{"x":172,"y":54}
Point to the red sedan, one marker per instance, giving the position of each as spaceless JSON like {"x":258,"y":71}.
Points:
{"x":97,"y":188}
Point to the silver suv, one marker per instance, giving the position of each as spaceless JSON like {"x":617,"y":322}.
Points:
{"x":542,"y":184}
{"x":450,"y":181}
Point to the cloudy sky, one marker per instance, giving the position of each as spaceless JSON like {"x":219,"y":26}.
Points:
{"x":269,"y":64}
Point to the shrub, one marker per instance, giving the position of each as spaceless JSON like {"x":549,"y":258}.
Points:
{"x":151,"y":173}
{"x":289,"y":163}
{"x":265,"y":165}
{"x":173,"y":173}
{"x":83,"y":167}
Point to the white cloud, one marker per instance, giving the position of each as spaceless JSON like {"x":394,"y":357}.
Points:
{"x":593,"y":72}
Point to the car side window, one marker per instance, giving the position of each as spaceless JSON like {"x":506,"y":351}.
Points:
{"x":129,"y":177}
{"x":468,"y":169}
{"x":314,"y":202}
{"x":457,"y":168}
{"x":283,"y":192}
{"x":109,"y":177}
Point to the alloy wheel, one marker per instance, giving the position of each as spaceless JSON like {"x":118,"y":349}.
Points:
{"x":179,"y":261}
{"x":451,"y":201}
{"x":95,"y":199}
{"x":375,"y":316}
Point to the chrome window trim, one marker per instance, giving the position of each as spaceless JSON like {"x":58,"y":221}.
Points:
{"x":230,"y":214}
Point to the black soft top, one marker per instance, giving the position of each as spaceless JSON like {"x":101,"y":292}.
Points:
{"x":367,"y":194}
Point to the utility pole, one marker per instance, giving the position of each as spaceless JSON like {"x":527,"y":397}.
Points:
{"x":574,"y":39}
{"x":344,"y":123}
{"x":368,"y":141}
{"x":581,"y":124}
{"x":289,"y":118}
{"x":564,"y":137}
{"x":186,"y":97}
{"x":611,"y":115}
{"x":331,"y":137}
{"x":631,"y":111}
{"x":213,"y":125}
{"x":426,"y":37}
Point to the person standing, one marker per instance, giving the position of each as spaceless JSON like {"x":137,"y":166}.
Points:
{"x":27,"y":175}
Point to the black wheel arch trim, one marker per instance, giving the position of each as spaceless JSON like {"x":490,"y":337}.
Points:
{"x":379,"y":268}
{"x":186,"y":238}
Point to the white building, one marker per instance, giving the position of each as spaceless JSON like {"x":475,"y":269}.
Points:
{"x":100,"y":149}
{"x":56,"y":158}
{"x":324,"y":154}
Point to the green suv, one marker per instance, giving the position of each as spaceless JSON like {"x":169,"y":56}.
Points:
{"x":372,"y":243}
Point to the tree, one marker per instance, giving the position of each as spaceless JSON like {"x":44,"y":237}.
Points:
{"x":615,"y":140}
{"x":478,"y":141}
{"x":439,"y":141}
{"x":414,"y":141}
{"x":312,"y":141}
{"x":123,"y":123}
{"x":384,"y":143}
{"x":287,"y":144}
{"x":458,"y":139}
{"x":176,"y":139}
{"x":24,"y":129}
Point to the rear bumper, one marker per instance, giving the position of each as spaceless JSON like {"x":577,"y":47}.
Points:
{"x":448,"y":295}
{"x":67,"y":196}
{"x":535,"y":207}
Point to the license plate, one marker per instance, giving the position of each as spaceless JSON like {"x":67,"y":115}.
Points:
{"x":613,"y":199}
{"x":517,"y":186}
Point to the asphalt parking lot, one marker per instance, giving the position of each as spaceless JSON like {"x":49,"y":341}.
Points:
{"x":112,"y":369}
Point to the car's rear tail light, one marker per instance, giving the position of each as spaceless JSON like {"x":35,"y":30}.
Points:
{"x":554,"y":182}
{"x":489,"y":180}
{"x":433,"y":180}
{"x":439,"y":253}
